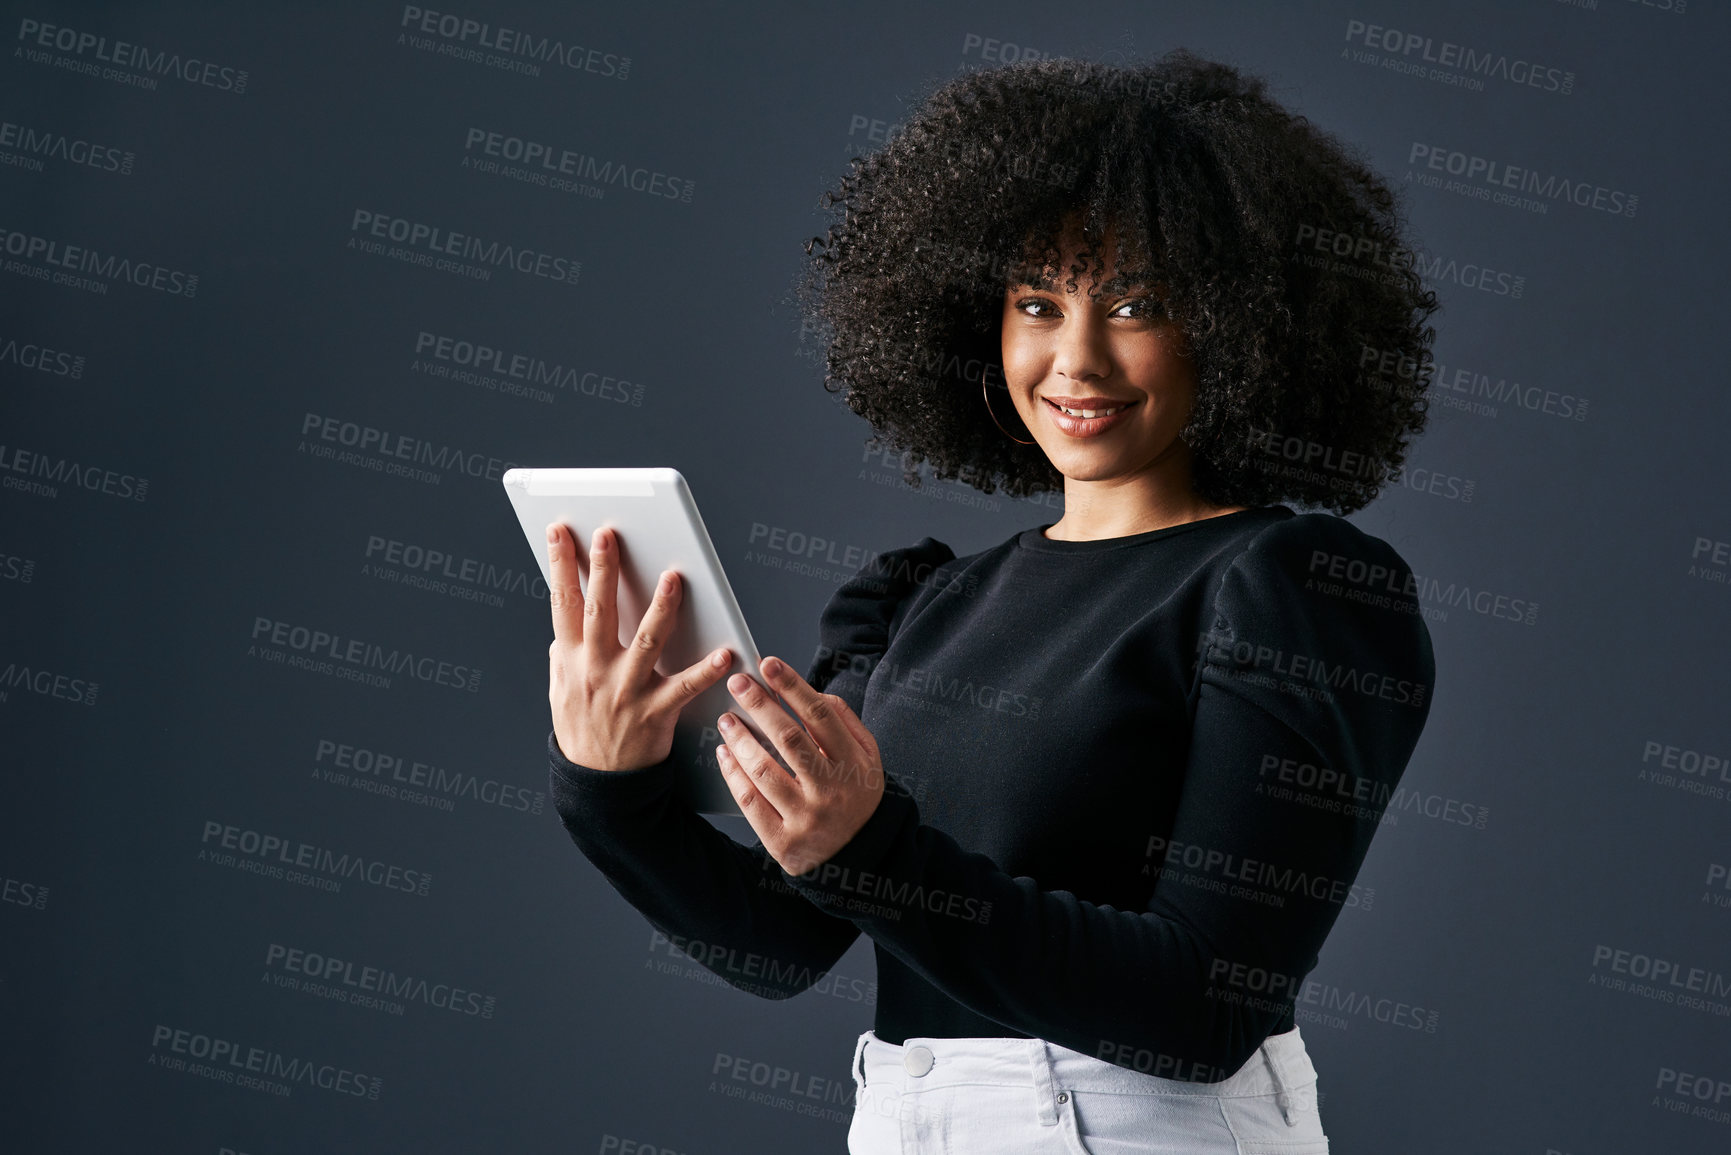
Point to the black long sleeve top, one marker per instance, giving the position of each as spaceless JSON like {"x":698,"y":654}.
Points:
{"x":1129,"y":785}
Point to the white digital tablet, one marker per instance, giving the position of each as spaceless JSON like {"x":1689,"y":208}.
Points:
{"x":657,"y":526}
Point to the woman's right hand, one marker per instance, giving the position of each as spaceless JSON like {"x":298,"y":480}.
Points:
{"x":611,"y":710}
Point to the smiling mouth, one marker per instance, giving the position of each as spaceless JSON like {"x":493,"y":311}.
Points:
{"x":1097,"y":410}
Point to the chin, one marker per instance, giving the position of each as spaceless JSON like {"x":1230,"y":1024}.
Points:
{"x":1087,"y":466}
{"x":1098,"y":463}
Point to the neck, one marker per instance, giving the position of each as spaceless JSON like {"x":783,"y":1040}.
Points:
{"x":1155,"y":498}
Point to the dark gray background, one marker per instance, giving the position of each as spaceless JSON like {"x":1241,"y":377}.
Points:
{"x":1540,"y":726}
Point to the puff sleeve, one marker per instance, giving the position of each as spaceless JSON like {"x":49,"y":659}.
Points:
{"x":722,"y":903}
{"x":1309,"y":661}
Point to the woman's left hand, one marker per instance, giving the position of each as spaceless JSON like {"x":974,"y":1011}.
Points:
{"x":802,"y":821}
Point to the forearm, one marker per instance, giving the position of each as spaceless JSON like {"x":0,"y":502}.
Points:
{"x":1247,"y":884}
{"x":1101,"y":981}
{"x":722,"y":902}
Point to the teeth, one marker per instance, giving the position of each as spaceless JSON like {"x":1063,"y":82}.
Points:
{"x":1092,"y":412}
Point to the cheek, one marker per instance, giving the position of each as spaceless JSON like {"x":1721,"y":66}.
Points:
{"x":1022,"y":359}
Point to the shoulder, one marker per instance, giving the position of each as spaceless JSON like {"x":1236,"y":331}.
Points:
{"x":889,"y":577}
{"x":1318,"y":547}
{"x":860,"y":617}
{"x":1320,"y":592}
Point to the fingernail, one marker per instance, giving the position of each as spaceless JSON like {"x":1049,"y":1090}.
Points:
{"x":666,"y":583}
{"x":738,"y":683}
{"x":719,"y":659}
{"x":600,"y":540}
{"x":726,"y":721}
{"x":552,"y":535}
{"x":773,"y":667}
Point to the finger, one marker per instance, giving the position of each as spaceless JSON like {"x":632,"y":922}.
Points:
{"x":657,"y":624}
{"x":816,"y":710}
{"x":776,"y":785}
{"x":564,"y":591}
{"x":782,"y":728}
{"x":600,"y":609}
{"x":758,"y":809}
{"x":682,"y":687}
{"x":855,"y":726}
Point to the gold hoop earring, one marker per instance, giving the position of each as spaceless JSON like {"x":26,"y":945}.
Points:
{"x":988,"y":399}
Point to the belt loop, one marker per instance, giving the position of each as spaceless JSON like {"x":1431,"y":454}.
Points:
{"x":859,"y":1057}
{"x":1040,"y":1064}
{"x":1282,"y":1084}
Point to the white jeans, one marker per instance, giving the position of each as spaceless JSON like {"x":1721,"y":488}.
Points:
{"x":1033,"y":1097}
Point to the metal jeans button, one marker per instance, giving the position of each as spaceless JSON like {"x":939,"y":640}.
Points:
{"x":917,"y":1061}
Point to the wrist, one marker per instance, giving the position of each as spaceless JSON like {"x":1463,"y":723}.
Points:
{"x":868,"y":851}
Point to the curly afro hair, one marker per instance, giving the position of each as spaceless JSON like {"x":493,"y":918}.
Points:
{"x":1277,"y":249}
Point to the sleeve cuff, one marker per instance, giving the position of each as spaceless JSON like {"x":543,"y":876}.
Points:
{"x":872,"y":846}
{"x":576,"y":787}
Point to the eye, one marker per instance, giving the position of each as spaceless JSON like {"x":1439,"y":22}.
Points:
{"x":1143,"y":307}
{"x":1031,"y":306}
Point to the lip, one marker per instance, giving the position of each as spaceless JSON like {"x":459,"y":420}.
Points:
{"x":1086,"y":426}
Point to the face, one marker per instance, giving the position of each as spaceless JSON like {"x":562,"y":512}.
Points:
{"x":1119,"y":352}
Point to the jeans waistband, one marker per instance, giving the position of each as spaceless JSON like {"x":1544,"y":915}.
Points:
{"x":1279,"y":1065}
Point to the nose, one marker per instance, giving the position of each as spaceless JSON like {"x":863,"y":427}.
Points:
{"x":1081,"y":351}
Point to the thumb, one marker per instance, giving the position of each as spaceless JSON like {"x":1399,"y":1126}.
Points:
{"x":682,"y":687}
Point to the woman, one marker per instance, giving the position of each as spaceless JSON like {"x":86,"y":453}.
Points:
{"x":1097,"y":794}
